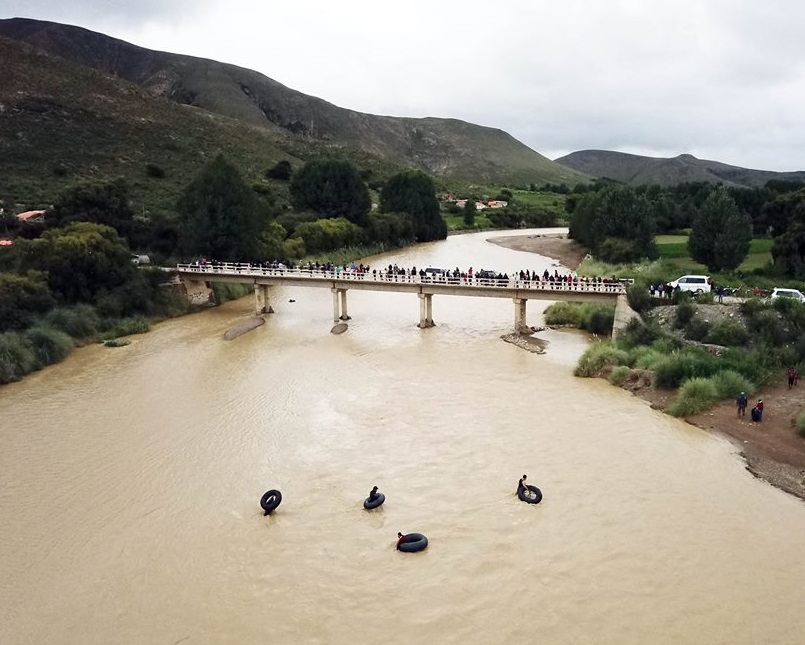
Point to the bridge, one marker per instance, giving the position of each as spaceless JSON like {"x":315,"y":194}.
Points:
{"x":196,"y":278}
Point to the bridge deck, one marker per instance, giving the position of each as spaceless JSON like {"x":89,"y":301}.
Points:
{"x":429,"y":285}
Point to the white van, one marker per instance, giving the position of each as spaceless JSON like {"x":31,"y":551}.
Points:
{"x":693,"y":283}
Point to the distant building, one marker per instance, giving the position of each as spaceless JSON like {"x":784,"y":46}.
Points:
{"x":479,"y":206}
{"x":31,"y":216}
{"x":6,"y":242}
{"x":497,"y":203}
{"x":461,"y":203}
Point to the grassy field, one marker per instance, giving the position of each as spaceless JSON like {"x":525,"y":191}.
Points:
{"x":674,"y":249}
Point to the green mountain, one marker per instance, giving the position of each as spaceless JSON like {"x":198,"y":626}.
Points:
{"x":638,"y":170}
{"x":142,"y":101}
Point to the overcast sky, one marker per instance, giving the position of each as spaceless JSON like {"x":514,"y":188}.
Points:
{"x":719,"y":79}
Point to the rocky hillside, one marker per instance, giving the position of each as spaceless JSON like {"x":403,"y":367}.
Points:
{"x":444,"y":147}
{"x":638,"y":170}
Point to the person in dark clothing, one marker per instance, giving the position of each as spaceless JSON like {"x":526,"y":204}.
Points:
{"x":759,"y":408}
{"x":741,"y":402}
{"x":792,"y":377}
{"x":401,"y":538}
{"x":522,"y":485}
{"x":373,"y":494}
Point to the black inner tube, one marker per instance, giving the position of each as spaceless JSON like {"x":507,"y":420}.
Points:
{"x":412,"y":543}
{"x":369,"y":503}
{"x":270,"y":500}
{"x":536,"y":498}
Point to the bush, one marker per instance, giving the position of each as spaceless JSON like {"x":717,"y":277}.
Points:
{"x":729,"y":333}
{"x":697,"y":329}
{"x":695,"y":395}
{"x":637,"y":334}
{"x":80,"y":322}
{"x":800,"y":424}
{"x":619,"y":375}
{"x":152,"y":170}
{"x":48,"y":345}
{"x":600,"y":320}
{"x":729,"y":383}
{"x":684,"y":314}
{"x":225,"y":291}
{"x":129,"y":326}
{"x":17,"y":358}
{"x":647,"y":358}
{"x":683,"y":365}
{"x":596,"y":319}
{"x":638,"y":296}
{"x":599,"y":356}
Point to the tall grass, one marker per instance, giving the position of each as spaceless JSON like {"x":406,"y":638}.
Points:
{"x":226,"y":291}
{"x":128,"y":327}
{"x":81,"y":321}
{"x":682,"y":365}
{"x":17,"y":357}
{"x":597,"y":319}
{"x":49,"y":345}
{"x":800,"y":425}
{"x":599,"y":356}
{"x":695,"y":395}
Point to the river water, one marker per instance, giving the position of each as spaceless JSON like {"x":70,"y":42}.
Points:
{"x":130,"y":482}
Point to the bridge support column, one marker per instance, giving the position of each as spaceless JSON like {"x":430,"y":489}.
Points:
{"x":261,"y":301}
{"x":520,"y":315}
{"x":344,"y":315}
{"x":336,"y":306}
{"x":425,"y":310}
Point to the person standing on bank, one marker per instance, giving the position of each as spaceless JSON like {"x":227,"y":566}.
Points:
{"x":759,"y":408}
{"x":741,"y":402}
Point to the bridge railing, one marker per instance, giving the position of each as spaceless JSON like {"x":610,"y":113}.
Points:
{"x":538,"y":284}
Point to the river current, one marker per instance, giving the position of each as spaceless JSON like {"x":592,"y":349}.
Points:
{"x":130,"y":481}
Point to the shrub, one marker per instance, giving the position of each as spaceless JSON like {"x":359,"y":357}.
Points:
{"x":695,"y":395}
{"x":684,"y":314}
{"x":729,"y":383}
{"x":619,"y":375}
{"x":129,"y":326}
{"x":597,"y":319}
{"x":80,"y":322}
{"x":224,"y":291}
{"x":697,"y":329}
{"x":48,"y":345}
{"x":152,"y":170}
{"x":800,"y":424}
{"x":637,"y":334}
{"x":647,"y":358}
{"x":600,"y":320}
{"x":638,"y":296}
{"x":683,"y":365}
{"x":17,"y":358}
{"x":599,"y":356}
{"x":729,"y":333}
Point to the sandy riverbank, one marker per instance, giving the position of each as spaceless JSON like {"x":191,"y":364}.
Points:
{"x":772,"y":449}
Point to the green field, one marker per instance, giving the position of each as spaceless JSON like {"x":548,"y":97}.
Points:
{"x":674,"y":248}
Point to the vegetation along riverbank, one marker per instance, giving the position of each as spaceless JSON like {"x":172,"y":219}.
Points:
{"x":691,"y":358}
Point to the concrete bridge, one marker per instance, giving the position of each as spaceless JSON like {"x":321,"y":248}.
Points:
{"x":197,"y":278}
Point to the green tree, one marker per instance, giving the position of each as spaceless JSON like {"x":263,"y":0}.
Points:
{"x":81,"y":261}
{"x":414,"y":192}
{"x":219,"y":215}
{"x":22,"y":300}
{"x":331,"y":188}
{"x":469,"y":213}
{"x":104,"y":203}
{"x":281,"y":171}
{"x":721,"y":233}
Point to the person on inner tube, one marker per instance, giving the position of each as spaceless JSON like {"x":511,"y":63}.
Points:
{"x":401,"y":539}
{"x":373,"y":494}
{"x":521,"y":485}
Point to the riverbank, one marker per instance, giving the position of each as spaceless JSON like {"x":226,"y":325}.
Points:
{"x":565,"y":251}
{"x":773,"y":450}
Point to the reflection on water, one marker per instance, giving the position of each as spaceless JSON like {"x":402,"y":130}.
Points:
{"x":130,"y":482}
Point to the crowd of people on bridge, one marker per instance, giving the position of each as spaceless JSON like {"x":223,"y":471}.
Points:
{"x":397,"y":273}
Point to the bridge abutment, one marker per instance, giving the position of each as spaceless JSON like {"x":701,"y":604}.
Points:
{"x":425,"y":311}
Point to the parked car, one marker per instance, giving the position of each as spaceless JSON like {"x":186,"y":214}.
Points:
{"x":692,"y":283}
{"x":787,"y":293}
{"x":486,"y":274}
{"x":140,"y":259}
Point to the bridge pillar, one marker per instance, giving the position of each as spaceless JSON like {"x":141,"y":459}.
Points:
{"x":520,"y":314}
{"x":336,"y":306}
{"x":425,"y":310}
{"x":261,"y":301}
{"x":344,"y":315}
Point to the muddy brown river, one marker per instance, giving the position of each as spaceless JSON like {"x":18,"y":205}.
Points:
{"x":130,"y":481}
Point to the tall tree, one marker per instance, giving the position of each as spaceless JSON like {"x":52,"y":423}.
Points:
{"x":104,"y":203}
{"x":81,"y":260}
{"x":331,"y":188}
{"x":220,"y":216}
{"x":721,"y":233}
{"x":469,"y":212}
{"x":414,"y":192}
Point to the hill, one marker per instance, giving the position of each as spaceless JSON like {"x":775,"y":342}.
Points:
{"x":447,"y":148}
{"x":640,"y":170}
